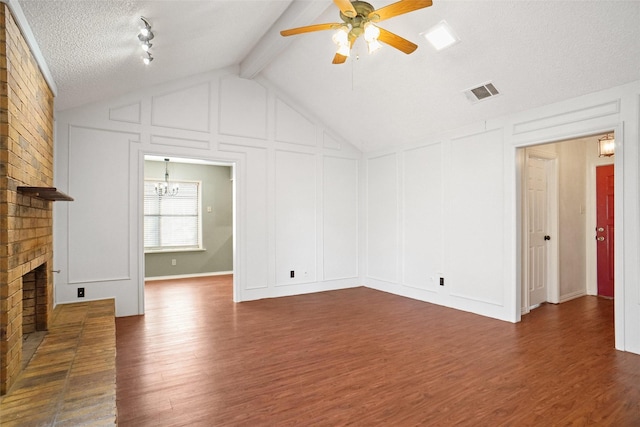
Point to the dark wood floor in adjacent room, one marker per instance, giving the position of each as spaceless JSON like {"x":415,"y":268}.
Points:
{"x":363,"y":357}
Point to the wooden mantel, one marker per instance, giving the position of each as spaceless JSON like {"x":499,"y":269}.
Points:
{"x":45,"y":193}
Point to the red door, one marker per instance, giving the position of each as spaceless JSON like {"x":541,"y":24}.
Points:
{"x":604,"y":229}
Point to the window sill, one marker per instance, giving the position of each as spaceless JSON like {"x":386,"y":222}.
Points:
{"x":168,"y":251}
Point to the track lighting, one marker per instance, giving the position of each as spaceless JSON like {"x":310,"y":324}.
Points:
{"x":145,"y":36}
{"x":145,"y":33}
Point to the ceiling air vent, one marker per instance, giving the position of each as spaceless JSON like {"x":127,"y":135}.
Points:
{"x":481,"y":93}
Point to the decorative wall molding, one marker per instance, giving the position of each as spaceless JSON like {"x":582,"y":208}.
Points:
{"x":330,"y":142}
{"x":579,"y":115}
{"x":96,"y":156}
{"x":293,"y":127}
{"x":186,"y":109}
{"x":340,"y":207}
{"x":201,"y":144}
{"x":382,"y":218}
{"x":242,"y":109}
{"x":130,"y":113}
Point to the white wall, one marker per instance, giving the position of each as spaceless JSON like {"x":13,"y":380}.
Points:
{"x":296,"y":188}
{"x":446,"y":207}
{"x":451,"y":209}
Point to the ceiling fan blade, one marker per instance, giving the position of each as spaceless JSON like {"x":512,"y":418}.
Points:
{"x":346,"y":8}
{"x":339,"y":59}
{"x":396,"y":41}
{"x":309,"y":29}
{"x":398,"y":8}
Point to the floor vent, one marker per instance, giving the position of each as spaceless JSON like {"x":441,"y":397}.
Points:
{"x":481,"y":93}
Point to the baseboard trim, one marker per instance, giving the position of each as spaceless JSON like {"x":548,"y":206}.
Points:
{"x":188,"y":276}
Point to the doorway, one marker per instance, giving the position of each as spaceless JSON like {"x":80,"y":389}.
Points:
{"x":558,"y":197}
{"x":189,"y":229}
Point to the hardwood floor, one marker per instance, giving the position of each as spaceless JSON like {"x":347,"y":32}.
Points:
{"x":70,"y":380}
{"x":363,"y":357}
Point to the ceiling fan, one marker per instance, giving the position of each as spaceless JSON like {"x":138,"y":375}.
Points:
{"x":359,"y":18}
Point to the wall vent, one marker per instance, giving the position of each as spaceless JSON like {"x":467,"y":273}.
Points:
{"x":481,"y":93}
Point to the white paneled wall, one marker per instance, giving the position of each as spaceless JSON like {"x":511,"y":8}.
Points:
{"x":422,"y":217}
{"x":282,"y":197}
{"x":446,"y":207}
{"x":474,"y":214}
{"x":340,"y":218}
{"x":455,"y":211}
{"x":295,"y":217}
{"x":382,"y":218}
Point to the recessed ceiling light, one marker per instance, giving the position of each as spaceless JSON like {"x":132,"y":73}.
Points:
{"x":441,"y":36}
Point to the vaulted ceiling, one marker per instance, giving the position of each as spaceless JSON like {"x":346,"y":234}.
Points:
{"x":534,"y":52}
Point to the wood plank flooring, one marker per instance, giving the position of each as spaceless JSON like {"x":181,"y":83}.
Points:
{"x":70,"y":380}
{"x":363,"y":357}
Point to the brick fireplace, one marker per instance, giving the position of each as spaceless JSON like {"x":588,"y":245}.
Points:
{"x":26,"y":220}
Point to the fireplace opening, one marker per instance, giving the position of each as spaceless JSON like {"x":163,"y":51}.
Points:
{"x":34,"y":311}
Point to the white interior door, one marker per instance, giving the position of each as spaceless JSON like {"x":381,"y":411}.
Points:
{"x":538,"y":229}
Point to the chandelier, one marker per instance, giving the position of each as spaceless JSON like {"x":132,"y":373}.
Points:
{"x":164,"y":188}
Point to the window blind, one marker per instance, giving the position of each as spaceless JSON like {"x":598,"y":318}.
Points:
{"x":172,"y":222}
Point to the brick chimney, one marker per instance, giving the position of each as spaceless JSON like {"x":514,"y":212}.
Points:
{"x":26,"y":224}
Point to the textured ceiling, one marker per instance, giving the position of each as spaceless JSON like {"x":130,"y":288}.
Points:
{"x":535,"y":52}
{"x":92,"y":49}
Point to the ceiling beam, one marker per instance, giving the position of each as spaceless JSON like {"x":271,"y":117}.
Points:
{"x":298,"y":14}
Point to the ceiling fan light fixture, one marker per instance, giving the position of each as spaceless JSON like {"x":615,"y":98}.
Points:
{"x":441,"y":36}
{"x":371,"y":32}
{"x":358,"y":16}
{"x":341,"y":36}
{"x":146,"y":46}
{"x":343,"y":50}
{"x":373,"y":45}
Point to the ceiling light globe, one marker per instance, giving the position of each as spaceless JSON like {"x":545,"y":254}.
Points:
{"x":341,"y":36}
{"x":343,"y":50}
{"x":373,"y":45}
{"x":371,"y":32}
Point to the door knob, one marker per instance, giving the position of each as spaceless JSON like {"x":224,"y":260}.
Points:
{"x":600,"y":238}
{"x":547,"y":237}
{"x":600,"y":229}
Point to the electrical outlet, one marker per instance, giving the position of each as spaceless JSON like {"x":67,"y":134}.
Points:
{"x":173,"y":262}
{"x":442,"y":281}
{"x":80,"y":292}
{"x":292,"y":274}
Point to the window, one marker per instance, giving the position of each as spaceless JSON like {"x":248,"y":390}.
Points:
{"x":172,"y":222}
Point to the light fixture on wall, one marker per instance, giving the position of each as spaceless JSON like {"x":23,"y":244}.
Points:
{"x":165,"y":188}
{"x":145,"y":35}
{"x":606,"y":145}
